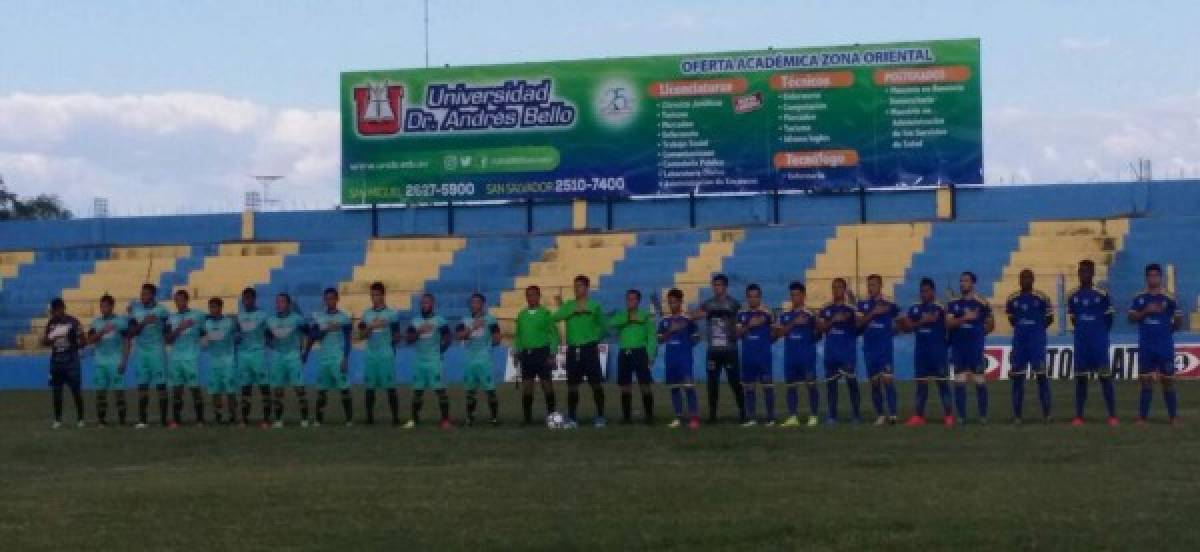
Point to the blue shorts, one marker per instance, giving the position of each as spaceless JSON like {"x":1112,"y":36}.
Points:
{"x":968,"y":362}
{"x":1027,"y":358}
{"x":756,"y":370}
{"x":929,"y":366}
{"x":679,"y":373}
{"x":1159,"y":361}
{"x":835,"y":367}
{"x":880,"y":364}
{"x":1092,"y":358}
{"x":798,"y":370}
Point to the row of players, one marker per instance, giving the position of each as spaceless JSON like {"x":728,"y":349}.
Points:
{"x":949,"y":346}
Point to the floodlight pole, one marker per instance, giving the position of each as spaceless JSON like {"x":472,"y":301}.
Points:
{"x":265,"y":180}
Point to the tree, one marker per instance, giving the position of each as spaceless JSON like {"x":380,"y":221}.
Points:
{"x":39,"y":207}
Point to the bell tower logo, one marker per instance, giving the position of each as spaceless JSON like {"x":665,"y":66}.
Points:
{"x":377,"y":108}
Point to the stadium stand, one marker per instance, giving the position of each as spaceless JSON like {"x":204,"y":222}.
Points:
{"x":121,"y":275}
{"x":593,"y":255}
{"x":316,"y":265}
{"x":650,"y":245}
{"x":403,"y":265}
{"x":709,"y":259}
{"x":855,"y":252}
{"x":234,"y":267}
{"x":1052,"y":250}
{"x":26,"y":295}
{"x":649,"y":264}
{"x":1172,"y":241}
{"x":10,"y":264}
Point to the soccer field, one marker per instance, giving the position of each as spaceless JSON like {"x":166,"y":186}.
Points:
{"x":722,"y":487}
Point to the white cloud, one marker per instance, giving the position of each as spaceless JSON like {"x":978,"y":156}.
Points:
{"x":49,"y":118}
{"x":185,"y":152}
{"x":1047,"y":146}
{"x":1076,"y":44}
{"x":165,"y":153}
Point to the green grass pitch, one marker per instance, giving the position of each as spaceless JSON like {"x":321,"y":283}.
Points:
{"x":723,"y":487}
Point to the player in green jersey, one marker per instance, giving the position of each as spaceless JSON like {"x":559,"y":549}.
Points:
{"x":479,"y":332}
{"x":183,"y":367}
{"x":287,"y":336}
{"x":535,"y":345}
{"x":430,"y":335}
{"x":220,"y":334}
{"x":380,"y":327}
{"x":332,"y":328}
{"x":147,"y":321}
{"x":252,"y":356}
{"x":110,"y":336}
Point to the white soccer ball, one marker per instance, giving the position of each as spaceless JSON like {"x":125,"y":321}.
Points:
{"x":554,"y":420}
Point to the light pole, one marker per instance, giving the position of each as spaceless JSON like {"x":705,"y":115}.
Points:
{"x":265,"y":180}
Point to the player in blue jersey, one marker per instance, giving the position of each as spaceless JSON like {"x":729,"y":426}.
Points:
{"x":877,"y":322}
{"x":969,"y":320}
{"x":678,"y":334}
{"x":754,"y":331}
{"x":147,"y":324}
{"x":109,"y":334}
{"x":331,"y":327}
{"x":837,"y":323}
{"x":184,"y":328}
{"x":798,"y":329}
{"x":1158,"y":317}
{"x":1091,"y":314}
{"x":927,"y":320}
{"x":1030,"y":313}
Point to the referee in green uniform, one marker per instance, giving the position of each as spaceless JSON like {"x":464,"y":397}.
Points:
{"x":638,"y":340}
{"x":586,"y":326}
{"x":535,"y":345}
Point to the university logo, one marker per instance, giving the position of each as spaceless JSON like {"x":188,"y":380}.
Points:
{"x":377,"y":108}
{"x":616,"y":102}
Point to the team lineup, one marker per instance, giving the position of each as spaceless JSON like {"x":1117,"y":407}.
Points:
{"x":255,"y":351}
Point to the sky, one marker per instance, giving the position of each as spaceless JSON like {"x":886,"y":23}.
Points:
{"x":170,"y":106}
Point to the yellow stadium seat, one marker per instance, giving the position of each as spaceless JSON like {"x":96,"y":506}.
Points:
{"x":403,"y":265}
{"x":11,"y":261}
{"x":1052,"y":249}
{"x":859,"y":250}
{"x":592,"y":255}
{"x":709,"y":260}
{"x":235,"y":267}
{"x":120,"y":275}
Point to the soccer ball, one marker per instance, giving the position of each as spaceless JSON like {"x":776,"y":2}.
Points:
{"x":554,"y":420}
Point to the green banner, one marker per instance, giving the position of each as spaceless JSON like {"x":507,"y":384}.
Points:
{"x":810,"y":118}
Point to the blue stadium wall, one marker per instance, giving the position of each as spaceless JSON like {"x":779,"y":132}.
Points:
{"x":1057,"y":201}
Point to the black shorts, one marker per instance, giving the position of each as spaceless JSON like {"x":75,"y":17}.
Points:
{"x":65,"y":374}
{"x":535,"y":364}
{"x":634,"y":362}
{"x":583,"y":362}
{"x":723,"y":360}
